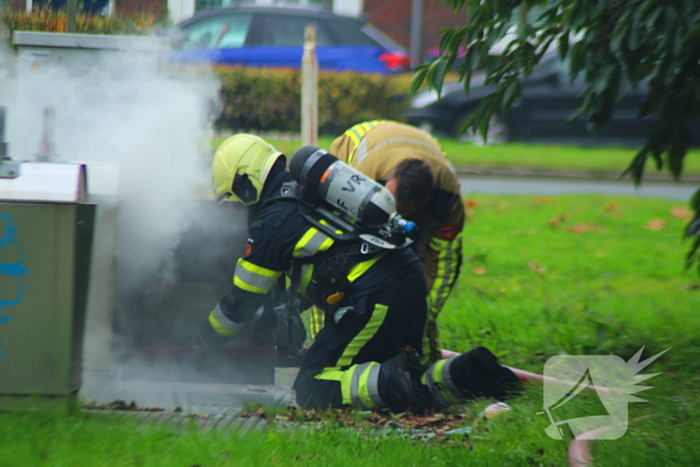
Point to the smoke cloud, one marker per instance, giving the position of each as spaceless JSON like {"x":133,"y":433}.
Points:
{"x":144,"y":128}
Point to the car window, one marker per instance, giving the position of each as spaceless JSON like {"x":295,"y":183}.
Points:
{"x":235,"y":32}
{"x":289,"y":30}
{"x":349,"y":33}
{"x":218,"y":32}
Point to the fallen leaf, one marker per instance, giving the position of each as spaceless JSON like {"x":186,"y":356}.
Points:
{"x":611,"y":208}
{"x":540,"y":199}
{"x":682,"y":213}
{"x":536,"y":266}
{"x":580,"y":228}
{"x":655,"y":224}
{"x":555,"y":221}
{"x":479,"y":270}
{"x":470,"y":203}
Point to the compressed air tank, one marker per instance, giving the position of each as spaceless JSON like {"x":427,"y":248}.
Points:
{"x":324,"y":176}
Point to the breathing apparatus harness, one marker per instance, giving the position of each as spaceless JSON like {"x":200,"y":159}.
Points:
{"x":356,"y":211}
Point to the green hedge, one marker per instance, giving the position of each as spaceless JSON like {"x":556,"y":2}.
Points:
{"x":48,"y":20}
{"x":261,"y":99}
{"x":266,"y":99}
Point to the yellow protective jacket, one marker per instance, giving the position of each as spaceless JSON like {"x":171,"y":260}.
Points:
{"x":375,"y":148}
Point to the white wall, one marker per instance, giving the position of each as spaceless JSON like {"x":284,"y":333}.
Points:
{"x":180,"y":10}
{"x":348,"y":7}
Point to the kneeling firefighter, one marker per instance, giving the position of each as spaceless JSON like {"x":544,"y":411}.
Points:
{"x":345,"y":254}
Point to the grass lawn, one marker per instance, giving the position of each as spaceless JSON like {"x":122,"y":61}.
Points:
{"x":583,"y":274}
{"x":524,"y":156}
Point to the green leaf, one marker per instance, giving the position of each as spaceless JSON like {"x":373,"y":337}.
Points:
{"x":511,"y":93}
{"x":680,"y":138}
{"x":693,"y":228}
{"x":636,"y":167}
{"x":676,"y":153}
{"x":417,"y":80}
{"x":656,"y":154}
{"x":436,"y":73}
{"x":563,"y":45}
{"x":695,"y":200}
{"x":691,"y":256}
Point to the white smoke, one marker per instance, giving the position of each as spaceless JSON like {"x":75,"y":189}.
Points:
{"x":139,"y":122}
{"x":155,"y":125}
{"x":130,"y":110}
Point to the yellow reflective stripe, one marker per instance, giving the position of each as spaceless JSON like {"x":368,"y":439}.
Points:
{"x":307,"y":271}
{"x":317,"y":316}
{"x":222,"y":325}
{"x":367,"y":333}
{"x":311,"y":243}
{"x":356,"y":133}
{"x":448,"y":256}
{"x":324,"y":222}
{"x":425,"y":341}
{"x":360,"y":268}
{"x":253,"y":278}
{"x":343,"y":377}
{"x":367,"y":389}
{"x":440,"y":373}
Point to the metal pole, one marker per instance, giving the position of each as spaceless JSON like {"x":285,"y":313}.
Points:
{"x":46,"y":145}
{"x":71,"y":12}
{"x":309,"y":89}
{"x":416,"y":32}
{"x":3,"y":144}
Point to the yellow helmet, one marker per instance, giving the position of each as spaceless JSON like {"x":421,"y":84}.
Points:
{"x":241,"y":166}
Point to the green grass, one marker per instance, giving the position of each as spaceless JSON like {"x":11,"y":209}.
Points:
{"x":583,"y":274}
{"x":597,"y":160}
{"x":551,"y":157}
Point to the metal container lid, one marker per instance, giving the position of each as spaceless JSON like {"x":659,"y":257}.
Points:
{"x":46,"y":182}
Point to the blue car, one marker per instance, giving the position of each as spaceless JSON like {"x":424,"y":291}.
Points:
{"x":274,"y":37}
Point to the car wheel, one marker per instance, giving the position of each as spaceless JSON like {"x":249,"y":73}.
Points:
{"x":498,"y":131}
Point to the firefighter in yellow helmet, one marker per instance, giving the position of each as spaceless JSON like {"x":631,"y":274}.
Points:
{"x":397,"y":155}
{"x":368,"y":353}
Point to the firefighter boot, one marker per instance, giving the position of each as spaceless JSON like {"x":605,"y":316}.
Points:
{"x":476,"y":373}
{"x":400,"y":385}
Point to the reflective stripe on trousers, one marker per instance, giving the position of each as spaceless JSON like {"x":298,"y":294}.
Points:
{"x":447,"y":268}
{"x":364,"y":336}
{"x":359,"y":385}
{"x":438,"y":379}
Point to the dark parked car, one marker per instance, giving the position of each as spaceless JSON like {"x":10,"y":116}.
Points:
{"x":548,"y":99}
{"x":274,"y":37}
